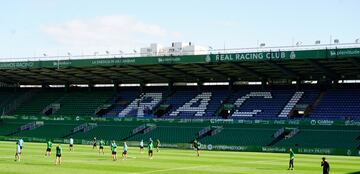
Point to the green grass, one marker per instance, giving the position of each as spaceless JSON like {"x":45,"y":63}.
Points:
{"x":85,"y":160}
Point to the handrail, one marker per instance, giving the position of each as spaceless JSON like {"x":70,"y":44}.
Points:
{"x":202,"y":52}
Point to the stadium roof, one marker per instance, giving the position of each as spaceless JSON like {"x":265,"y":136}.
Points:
{"x":275,"y":64}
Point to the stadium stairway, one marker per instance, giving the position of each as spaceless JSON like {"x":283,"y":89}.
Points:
{"x":106,"y":131}
{"x":319,"y":137}
{"x":339,"y":103}
{"x":283,"y":133}
{"x":170,"y":134}
{"x":13,"y":133}
{"x":208,"y":131}
{"x":85,"y":127}
{"x":27,"y":127}
{"x":10,"y":127}
{"x":224,"y":102}
{"x":242,"y":136}
{"x":142,"y":129}
{"x":48,"y":131}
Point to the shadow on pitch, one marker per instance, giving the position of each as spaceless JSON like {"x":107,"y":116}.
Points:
{"x":358,"y":172}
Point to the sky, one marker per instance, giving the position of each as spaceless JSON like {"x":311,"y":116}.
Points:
{"x":81,"y":27}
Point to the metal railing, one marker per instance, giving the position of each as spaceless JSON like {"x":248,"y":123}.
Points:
{"x":201,"y":52}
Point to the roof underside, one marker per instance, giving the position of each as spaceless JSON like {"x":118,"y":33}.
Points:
{"x":340,"y":68}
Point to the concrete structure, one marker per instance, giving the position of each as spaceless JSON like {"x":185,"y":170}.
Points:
{"x":176,"y":49}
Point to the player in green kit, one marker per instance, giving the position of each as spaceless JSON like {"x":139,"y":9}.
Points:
{"x":48,"y":149}
{"x":113,"y":150}
{"x":196,"y":146}
{"x":58,"y":155}
{"x":101,"y":146}
{"x":150,"y":148}
{"x":291,"y":162}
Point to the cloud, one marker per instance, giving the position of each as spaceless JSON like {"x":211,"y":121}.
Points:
{"x":121,"y":32}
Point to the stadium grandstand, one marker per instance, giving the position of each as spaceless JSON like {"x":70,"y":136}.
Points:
{"x":261,"y":99}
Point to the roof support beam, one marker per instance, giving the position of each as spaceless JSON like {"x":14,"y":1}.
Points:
{"x":52,"y":77}
{"x":98,"y":75}
{"x":248,"y":70}
{"x":69,"y":75}
{"x":7,"y":78}
{"x":284,"y":70}
{"x":135,"y":78}
{"x":321,"y":68}
{"x":356,"y":62}
{"x":151,"y":73}
{"x":225,"y":76}
{"x":18,"y":76}
{"x":188,"y":76}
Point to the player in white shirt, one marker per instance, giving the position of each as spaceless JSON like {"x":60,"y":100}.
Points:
{"x":141,"y":146}
{"x":21,"y":142}
{"x":71,"y":144}
{"x":18,"y":152}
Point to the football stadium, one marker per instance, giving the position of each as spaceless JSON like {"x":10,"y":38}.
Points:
{"x":184,"y":109}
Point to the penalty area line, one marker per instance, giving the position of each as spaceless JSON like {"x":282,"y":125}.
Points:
{"x":171,"y":169}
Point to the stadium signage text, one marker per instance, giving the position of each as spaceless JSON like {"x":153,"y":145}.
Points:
{"x":315,"y":150}
{"x":352,"y":123}
{"x":114,"y":61}
{"x":220,"y":121}
{"x":250,"y":56}
{"x":346,"y":52}
{"x":62,"y":63}
{"x":274,"y":149}
{"x":169,"y":60}
{"x":224,"y":147}
{"x":12,"y":65}
{"x":212,"y":121}
{"x":322,"y":122}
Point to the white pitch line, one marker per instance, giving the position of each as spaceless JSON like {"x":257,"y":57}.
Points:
{"x":6,"y":157}
{"x":264,"y":161}
{"x":164,"y":170}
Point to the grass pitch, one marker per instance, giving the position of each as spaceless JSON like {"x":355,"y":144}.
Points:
{"x":85,"y":160}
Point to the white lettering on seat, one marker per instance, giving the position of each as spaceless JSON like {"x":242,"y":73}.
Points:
{"x":290,"y":105}
{"x":204,"y":99}
{"x":141,"y":105}
{"x":241,"y":100}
